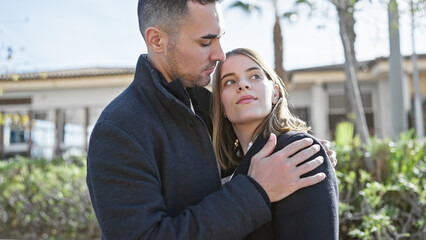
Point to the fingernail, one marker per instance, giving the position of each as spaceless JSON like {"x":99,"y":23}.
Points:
{"x":321,"y":159}
{"x":270,"y":137}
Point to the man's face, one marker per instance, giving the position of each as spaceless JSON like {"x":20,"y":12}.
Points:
{"x":193,"y":55}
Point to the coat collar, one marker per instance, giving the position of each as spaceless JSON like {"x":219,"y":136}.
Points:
{"x":172,"y":90}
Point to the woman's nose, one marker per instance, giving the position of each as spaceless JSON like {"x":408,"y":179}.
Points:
{"x":243,"y":84}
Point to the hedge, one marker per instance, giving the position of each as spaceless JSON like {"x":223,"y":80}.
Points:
{"x":389,"y":203}
{"x":42,"y":199}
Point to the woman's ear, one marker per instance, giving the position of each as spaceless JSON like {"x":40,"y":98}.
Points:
{"x":275,"y":93}
{"x":155,"y":39}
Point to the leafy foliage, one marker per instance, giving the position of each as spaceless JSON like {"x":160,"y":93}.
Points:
{"x":42,"y":199}
{"x":389,"y":203}
{"x":246,"y":7}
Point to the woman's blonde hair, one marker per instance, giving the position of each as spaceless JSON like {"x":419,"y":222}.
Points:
{"x":278,"y":121}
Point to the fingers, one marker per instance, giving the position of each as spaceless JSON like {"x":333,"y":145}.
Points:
{"x":267,"y":149}
{"x":331,"y":154}
{"x":325,"y":143}
{"x":279,"y":174}
{"x":294,"y":147}
{"x":309,"y":166}
{"x":332,"y":157}
{"x":305,"y":154}
{"x":311,"y":180}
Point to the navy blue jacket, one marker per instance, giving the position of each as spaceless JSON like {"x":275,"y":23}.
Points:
{"x":310,"y":213}
{"x":152,"y":171}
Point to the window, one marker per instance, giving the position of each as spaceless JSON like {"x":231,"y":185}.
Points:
{"x":17,"y":135}
{"x":15,"y":128}
{"x":301,"y":112}
{"x":338,"y":111}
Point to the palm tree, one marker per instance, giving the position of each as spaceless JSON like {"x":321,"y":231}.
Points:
{"x":277,"y":30}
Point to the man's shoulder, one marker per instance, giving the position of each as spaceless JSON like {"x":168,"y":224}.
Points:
{"x":125,"y":107}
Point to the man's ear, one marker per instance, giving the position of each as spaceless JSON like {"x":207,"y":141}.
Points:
{"x":155,"y":39}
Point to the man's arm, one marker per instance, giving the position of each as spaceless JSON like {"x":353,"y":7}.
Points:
{"x":126,"y":191}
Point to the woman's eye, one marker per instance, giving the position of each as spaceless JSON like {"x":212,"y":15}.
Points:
{"x":255,"y":76}
{"x":229,"y":82}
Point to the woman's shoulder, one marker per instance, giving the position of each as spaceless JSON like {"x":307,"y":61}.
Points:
{"x":292,"y":136}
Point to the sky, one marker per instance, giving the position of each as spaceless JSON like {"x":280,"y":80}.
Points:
{"x":49,"y":35}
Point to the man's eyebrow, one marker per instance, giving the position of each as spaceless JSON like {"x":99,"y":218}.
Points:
{"x":212,"y":36}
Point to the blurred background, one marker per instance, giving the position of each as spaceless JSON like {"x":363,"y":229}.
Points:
{"x":61,"y":62}
{"x":355,"y":71}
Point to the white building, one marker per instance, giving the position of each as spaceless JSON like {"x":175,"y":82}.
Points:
{"x":56,"y":110}
{"x":318,"y":96}
{"x":48,"y":114}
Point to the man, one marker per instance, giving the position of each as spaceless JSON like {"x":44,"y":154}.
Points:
{"x":152,"y":172}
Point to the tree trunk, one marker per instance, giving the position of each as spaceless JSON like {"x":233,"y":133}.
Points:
{"x":418,"y":108}
{"x":278,"y":44}
{"x":396,"y":75}
{"x":278,"y":49}
{"x":347,"y":34}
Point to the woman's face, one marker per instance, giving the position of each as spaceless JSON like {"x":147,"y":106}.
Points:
{"x":247,"y":94}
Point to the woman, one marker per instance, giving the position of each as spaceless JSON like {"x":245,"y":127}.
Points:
{"x":250,"y":103}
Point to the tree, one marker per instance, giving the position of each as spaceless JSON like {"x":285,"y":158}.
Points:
{"x":345,"y":10}
{"x":277,"y":30}
{"x":417,"y":8}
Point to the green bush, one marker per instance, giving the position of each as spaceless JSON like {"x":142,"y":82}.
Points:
{"x":42,"y":199}
{"x":390,"y":202}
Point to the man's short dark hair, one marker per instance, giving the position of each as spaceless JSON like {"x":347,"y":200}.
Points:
{"x":164,"y":14}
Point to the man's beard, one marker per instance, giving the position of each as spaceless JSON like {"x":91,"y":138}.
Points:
{"x":188,"y":79}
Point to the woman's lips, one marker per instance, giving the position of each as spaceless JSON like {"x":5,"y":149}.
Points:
{"x":246,"y":99}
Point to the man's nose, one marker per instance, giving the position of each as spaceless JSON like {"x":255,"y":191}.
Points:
{"x":217,"y":52}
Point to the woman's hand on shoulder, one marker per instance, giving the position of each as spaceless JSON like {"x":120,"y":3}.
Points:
{"x":330,"y":152}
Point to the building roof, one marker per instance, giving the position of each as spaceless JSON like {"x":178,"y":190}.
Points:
{"x":362,"y":65}
{"x":73,"y":73}
{"x":96,"y":72}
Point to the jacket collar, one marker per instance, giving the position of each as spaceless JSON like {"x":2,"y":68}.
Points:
{"x":172,"y":90}
{"x":176,"y":88}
